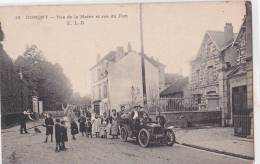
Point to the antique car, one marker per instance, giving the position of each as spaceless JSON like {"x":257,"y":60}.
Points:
{"x":144,"y":130}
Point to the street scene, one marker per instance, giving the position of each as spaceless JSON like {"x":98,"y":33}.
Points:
{"x":127,"y":83}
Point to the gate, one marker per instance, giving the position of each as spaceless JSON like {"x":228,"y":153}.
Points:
{"x":241,"y":114}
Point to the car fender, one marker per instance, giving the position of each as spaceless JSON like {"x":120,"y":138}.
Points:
{"x":171,"y":128}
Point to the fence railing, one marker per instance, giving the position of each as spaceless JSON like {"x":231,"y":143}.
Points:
{"x":173,"y":104}
{"x":242,"y":124}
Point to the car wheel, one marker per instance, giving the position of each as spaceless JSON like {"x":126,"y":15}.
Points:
{"x":170,"y":138}
{"x":123,"y":133}
{"x":144,"y":138}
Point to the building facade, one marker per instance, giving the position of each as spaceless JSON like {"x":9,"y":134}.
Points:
{"x":207,"y":66}
{"x":117,"y":80}
{"x":222,"y":71}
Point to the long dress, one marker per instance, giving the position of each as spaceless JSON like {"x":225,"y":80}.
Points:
{"x":96,"y":125}
{"x":114,"y":126}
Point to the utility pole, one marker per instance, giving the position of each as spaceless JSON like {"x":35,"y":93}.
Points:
{"x":142,"y":56}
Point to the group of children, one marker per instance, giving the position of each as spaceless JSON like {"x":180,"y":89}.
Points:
{"x":60,"y":132}
{"x":100,"y":126}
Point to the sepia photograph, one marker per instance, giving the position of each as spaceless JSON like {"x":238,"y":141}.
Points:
{"x":127,"y":83}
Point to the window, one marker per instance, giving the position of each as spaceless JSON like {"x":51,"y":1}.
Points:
{"x":197,"y":76}
{"x":241,"y":56}
{"x":210,"y":74}
{"x":105,"y":89}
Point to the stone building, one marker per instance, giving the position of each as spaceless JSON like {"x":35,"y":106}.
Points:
{"x":206,"y":67}
{"x":222,"y":71}
{"x":118,"y":74}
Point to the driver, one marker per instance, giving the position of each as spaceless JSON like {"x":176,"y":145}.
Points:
{"x":135,"y":116}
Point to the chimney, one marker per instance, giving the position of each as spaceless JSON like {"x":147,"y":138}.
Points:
{"x":98,"y":58}
{"x":228,"y":30}
{"x":1,"y":34}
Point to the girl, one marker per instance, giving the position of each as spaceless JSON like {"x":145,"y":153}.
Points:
{"x":74,"y":129}
{"x":96,"y":122}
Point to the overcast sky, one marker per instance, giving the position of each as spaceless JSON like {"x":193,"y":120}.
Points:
{"x":172,"y":33}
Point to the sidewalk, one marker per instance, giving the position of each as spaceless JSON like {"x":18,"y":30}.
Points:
{"x":217,"y":139}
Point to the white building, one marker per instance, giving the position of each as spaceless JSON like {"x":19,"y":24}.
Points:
{"x":117,"y":79}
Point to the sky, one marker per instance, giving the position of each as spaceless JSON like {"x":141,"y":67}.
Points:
{"x":172,"y":32}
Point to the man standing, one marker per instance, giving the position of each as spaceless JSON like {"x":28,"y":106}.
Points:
{"x":23,"y":120}
{"x":49,"y":123}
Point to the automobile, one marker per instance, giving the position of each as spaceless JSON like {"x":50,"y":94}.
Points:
{"x":145,"y":131}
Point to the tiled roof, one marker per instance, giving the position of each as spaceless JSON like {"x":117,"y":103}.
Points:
{"x":176,"y":87}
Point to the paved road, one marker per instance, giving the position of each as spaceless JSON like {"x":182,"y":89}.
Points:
{"x":29,"y":149}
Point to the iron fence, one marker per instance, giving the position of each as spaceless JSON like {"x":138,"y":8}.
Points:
{"x":173,"y":104}
{"x":242,"y":124}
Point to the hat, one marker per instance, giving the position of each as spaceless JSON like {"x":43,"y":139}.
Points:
{"x":138,"y":106}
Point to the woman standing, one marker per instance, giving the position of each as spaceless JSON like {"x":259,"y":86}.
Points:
{"x":114,"y":124}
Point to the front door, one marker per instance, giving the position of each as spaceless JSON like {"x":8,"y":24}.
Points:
{"x":239,"y":99}
{"x":97,"y":108}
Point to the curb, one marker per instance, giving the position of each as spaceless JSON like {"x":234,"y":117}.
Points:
{"x":217,"y":151}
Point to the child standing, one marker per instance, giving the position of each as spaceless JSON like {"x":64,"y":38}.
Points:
{"x":82,"y":125}
{"x":74,"y":129}
{"x":89,"y":128}
{"x":96,"y":125}
{"x":63,"y":135}
{"x":49,"y":123}
{"x":57,"y":134}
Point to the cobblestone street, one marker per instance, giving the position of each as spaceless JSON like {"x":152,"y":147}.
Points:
{"x":30,"y":149}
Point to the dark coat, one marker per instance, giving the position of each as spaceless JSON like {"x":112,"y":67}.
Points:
{"x":49,"y":126}
{"x":63,"y":134}
{"x":57,"y":133}
{"x":74,"y":128}
{"x":89,"y":127}
{"x":23,"y":118}
{"x":82,"y":124}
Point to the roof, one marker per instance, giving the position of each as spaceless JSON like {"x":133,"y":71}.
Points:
{"x":240,"y":31}
{"x":111,"y":57}
{"x":176,"y":87}
{"x":152,"y":61}
{"x":218,"y":37}
{"x":172,"y":78}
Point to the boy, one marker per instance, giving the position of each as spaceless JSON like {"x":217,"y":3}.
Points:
{"x":58,"y":135}
{"x":89,"y":128}
{"x":49,"y":127}
{"x":63,"y":135}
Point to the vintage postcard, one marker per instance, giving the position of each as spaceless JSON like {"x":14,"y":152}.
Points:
{"x":157,"y":83}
